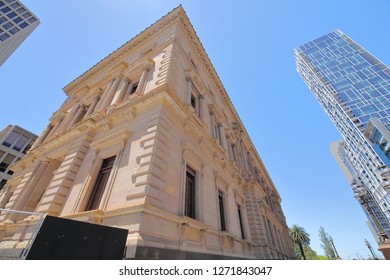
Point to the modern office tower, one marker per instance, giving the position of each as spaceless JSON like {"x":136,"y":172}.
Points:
{"x":14,"y":144}
{"x":338,"y":151}
{"x":148,"y":140}
{"x":16,"y":24}
{"x":353,"y":87}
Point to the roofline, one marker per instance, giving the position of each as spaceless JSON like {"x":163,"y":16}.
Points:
{"x":125,"y":48}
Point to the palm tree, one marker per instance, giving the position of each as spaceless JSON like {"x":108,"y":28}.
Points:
{"x":300,"y":237}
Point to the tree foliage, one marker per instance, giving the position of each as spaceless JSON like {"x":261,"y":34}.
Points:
{"x":300,"y":237}
{"x":310,"y":253}
{"x":326,"y":244}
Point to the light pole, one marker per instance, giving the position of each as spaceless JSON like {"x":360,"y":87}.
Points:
{"x":370,"y":248}
{"x":361,"y":196}
{"x":334,"y":248}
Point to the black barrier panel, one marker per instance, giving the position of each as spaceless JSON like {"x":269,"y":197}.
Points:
{"x":64,"y":239}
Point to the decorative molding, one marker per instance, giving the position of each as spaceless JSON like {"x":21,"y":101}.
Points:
{"x":182,"y":228}
{"x":116,"y":138}
{"x":121,"y":52}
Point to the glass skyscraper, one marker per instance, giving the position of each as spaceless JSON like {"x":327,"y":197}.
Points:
{"x":353,"y":87}
{"x":16,"y":23}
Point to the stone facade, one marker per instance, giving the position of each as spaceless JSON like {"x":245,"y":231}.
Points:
{"x":153,"y":122}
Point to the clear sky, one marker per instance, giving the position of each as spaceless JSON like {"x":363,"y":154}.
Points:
{"x":250,"y":44}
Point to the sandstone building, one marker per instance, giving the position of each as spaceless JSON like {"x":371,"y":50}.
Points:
{"x":148,"y":140}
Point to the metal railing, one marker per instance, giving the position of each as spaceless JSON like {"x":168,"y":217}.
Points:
{"x":16,"y":238}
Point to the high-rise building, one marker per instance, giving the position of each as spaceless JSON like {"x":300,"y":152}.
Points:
{"x":14,"y":144}
{"x":353,"y":87}
{"x":148,"y":140}
{"x":16,"y":24}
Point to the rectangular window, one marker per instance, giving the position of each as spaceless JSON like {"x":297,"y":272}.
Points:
{"x":28,"y":147}
{"x":2,"y":184}
{"x":239,"y":212}
{"x":221,"y":205}
{"x":134,"y":88}
{"x":11,"y":138}
{"x":189,"y":210}
{"x":193,"y":101}
{"x":100,"y":184}
{"x":20,"y":143}
{"x":195,"y":96}
{"x":15,"y":5}
{"x":6,"y":162}
{"x":4,"y":36}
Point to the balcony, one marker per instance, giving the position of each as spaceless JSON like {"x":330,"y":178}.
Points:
{"x":386,"y":185}
{"x":385,"y":173}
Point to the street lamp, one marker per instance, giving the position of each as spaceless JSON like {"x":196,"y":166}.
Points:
{"x":361,"y":196}
{"x":370,"y":248}
{"x":334,"y":248}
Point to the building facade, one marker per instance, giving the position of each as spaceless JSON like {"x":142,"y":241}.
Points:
{"x":16,"y":24}
{"x":353,"y":87}
{"x":148,"y":140}
{"x":14,"y":144}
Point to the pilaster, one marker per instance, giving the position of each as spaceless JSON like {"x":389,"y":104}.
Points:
{"x":256,"y":224}
{"x":23,"y":192}
{"x":59,"y":187}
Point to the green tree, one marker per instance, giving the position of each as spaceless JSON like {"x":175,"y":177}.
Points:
{"x":300,"y":237}
{"x":322,"y":258}
{"x":326,"y":244}
{"x":310,"y":253}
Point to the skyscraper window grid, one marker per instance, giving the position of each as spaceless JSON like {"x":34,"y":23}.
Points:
{"x":16,"y":24}
{"x":353,"y":87}
{"x":14,"y":18}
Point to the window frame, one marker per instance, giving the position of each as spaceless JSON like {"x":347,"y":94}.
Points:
{"x":98,"y":188}
{"x":241,"y":221}
{"x":222,"y":214}
{"x":190,"y":192}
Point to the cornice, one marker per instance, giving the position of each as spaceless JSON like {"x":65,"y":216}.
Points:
{"x":121,"y":52}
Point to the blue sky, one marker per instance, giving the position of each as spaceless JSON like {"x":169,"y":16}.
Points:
{"x":250,"y":44}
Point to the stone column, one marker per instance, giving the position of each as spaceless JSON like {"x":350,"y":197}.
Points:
{"x":43,"y":135}
{"x":29,"y":188}
{"x":76,"y":117}
{"x":92,"y":106}
{"x":142,"y":80}
{"x":55,"y":128}
{"x":212,"y":120}
{"x":187,"y":97}
{"x":200,"y":106}
{"x":244,"y":158}
{"x":102,"y":96}
{"x":62,"y":181}
{"x":222,"y":135}
{"x":108,"y":97}
{"x":69,"y":117}
{"x":120,"y":92}
{"x":229,"y":148}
